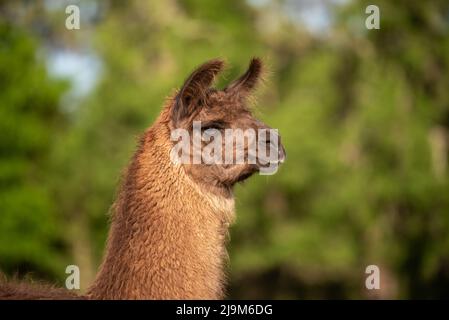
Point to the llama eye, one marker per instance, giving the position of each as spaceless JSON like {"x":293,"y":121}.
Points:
{"x":209,"y":128}
{"x":212,"y":125}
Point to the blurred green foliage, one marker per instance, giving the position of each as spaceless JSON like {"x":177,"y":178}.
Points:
{"x":29,"y":237}
{"x":364,"y":117}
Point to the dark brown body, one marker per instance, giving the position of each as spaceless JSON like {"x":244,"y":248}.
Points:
{"x":13,"y":290}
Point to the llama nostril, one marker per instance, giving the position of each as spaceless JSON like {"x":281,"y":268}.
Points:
{"x":281,"y":151}
{"x":281,"y":154}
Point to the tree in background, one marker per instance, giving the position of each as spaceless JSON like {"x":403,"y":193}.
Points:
{"x":364,"y":120}
{"x":31,"y":236}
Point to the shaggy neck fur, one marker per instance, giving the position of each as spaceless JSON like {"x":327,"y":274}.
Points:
{"x":167,"y":236}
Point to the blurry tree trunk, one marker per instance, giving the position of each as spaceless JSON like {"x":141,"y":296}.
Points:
{"x":439,"y":149}
{"x":81,"y":250}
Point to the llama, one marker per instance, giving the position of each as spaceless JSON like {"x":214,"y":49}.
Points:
{"x":170,"y":221}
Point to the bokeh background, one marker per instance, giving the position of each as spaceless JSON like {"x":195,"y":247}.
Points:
{"x":364,"y":116}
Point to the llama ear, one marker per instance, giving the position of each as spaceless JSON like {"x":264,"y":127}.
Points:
{"x":193,"y":92}
{"x":246,"y":83}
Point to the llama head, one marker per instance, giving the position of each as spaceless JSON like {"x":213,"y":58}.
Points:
{"x":222,"y":142}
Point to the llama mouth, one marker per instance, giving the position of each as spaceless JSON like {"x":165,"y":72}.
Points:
{"x":244,"y":176}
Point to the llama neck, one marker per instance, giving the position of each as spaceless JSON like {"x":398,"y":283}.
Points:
{"x":167,"y":237}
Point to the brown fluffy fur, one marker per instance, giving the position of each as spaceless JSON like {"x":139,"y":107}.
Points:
{"x":170,"y":221}
{"x":14,"y":290}
{"x":162,"y":245}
